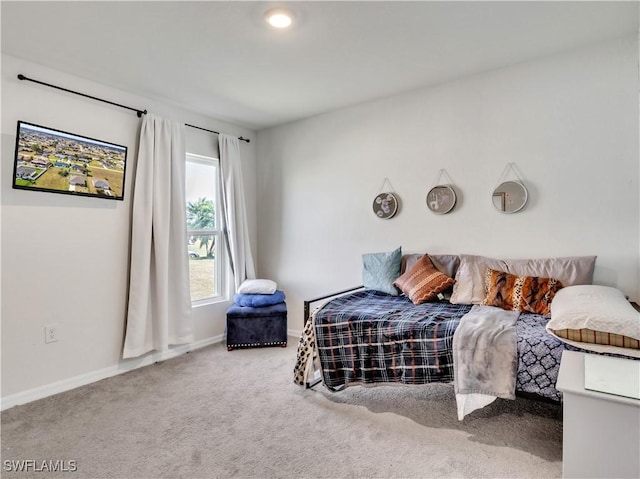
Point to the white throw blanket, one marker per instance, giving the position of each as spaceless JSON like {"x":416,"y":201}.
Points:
{"x":484,"y":358}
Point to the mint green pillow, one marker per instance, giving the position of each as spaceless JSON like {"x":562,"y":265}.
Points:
{"x":380,"y":270}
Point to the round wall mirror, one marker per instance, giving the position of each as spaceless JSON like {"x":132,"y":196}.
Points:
{"x":441,"y":199}
{"x":509,"y":197}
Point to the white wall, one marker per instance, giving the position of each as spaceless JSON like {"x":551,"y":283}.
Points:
{"x":568,"y":122}
{"x":64,"y":258}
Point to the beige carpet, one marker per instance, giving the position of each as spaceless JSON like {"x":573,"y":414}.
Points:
{"x":214,"y":413}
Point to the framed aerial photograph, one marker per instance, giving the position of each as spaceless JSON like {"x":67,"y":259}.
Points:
{"x":59,"y":162}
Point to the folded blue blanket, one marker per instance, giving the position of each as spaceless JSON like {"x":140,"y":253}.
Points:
{"x":259,"y":300}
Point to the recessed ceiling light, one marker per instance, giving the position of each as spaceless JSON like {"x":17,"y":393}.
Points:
{"x":279,"y":18}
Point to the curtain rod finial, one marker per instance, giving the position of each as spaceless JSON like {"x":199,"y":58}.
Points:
{"x":21,"y":76}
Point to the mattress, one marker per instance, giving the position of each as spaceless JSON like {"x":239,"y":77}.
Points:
{"x":368,"y":337}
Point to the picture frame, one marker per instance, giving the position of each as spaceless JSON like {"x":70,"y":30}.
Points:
{"x":55,"y":161}
{"x":385,"y":205}
{"x":441,"y":199}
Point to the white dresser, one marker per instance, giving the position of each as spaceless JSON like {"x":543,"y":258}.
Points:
{"x":601,"y":431}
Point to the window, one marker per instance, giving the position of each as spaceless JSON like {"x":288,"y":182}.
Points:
{"x":204,"y":238}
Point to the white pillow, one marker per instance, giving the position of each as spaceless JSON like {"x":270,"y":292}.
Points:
{"x":257,"y":286}
{"x":595,"y":318}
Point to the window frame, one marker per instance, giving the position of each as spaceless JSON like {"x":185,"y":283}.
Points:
{"x":220,"y":271}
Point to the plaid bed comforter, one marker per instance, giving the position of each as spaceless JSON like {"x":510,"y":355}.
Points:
{"x":369,"y":337}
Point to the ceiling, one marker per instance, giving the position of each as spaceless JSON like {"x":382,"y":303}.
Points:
{"x":221,"y":59}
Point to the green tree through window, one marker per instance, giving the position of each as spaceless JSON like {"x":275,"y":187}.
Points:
{"x":201,"y":215}
{"x":207,"y":280}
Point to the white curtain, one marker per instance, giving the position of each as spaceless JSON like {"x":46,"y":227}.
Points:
{"x":234,"y":214}
{"x":159,"y":311}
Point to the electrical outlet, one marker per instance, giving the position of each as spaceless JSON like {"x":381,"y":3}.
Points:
{"x":51,"y":333}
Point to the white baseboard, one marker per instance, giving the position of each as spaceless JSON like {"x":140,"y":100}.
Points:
{"x":88,"y":378}
{"x":293,"y":333}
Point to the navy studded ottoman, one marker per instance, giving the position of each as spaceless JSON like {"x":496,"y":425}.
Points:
{"x":249,"y":327}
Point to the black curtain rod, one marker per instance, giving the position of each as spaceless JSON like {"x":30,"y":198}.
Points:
{"x":138,"y":112}
{"x":216,"y":132}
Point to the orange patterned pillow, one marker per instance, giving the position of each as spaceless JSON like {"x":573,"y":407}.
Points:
{"x":519,"y":293}
{"x":423,"y":281}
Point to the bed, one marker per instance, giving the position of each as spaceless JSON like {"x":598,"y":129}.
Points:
{"x":396,"y":330}
{"x":368,"y":337}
